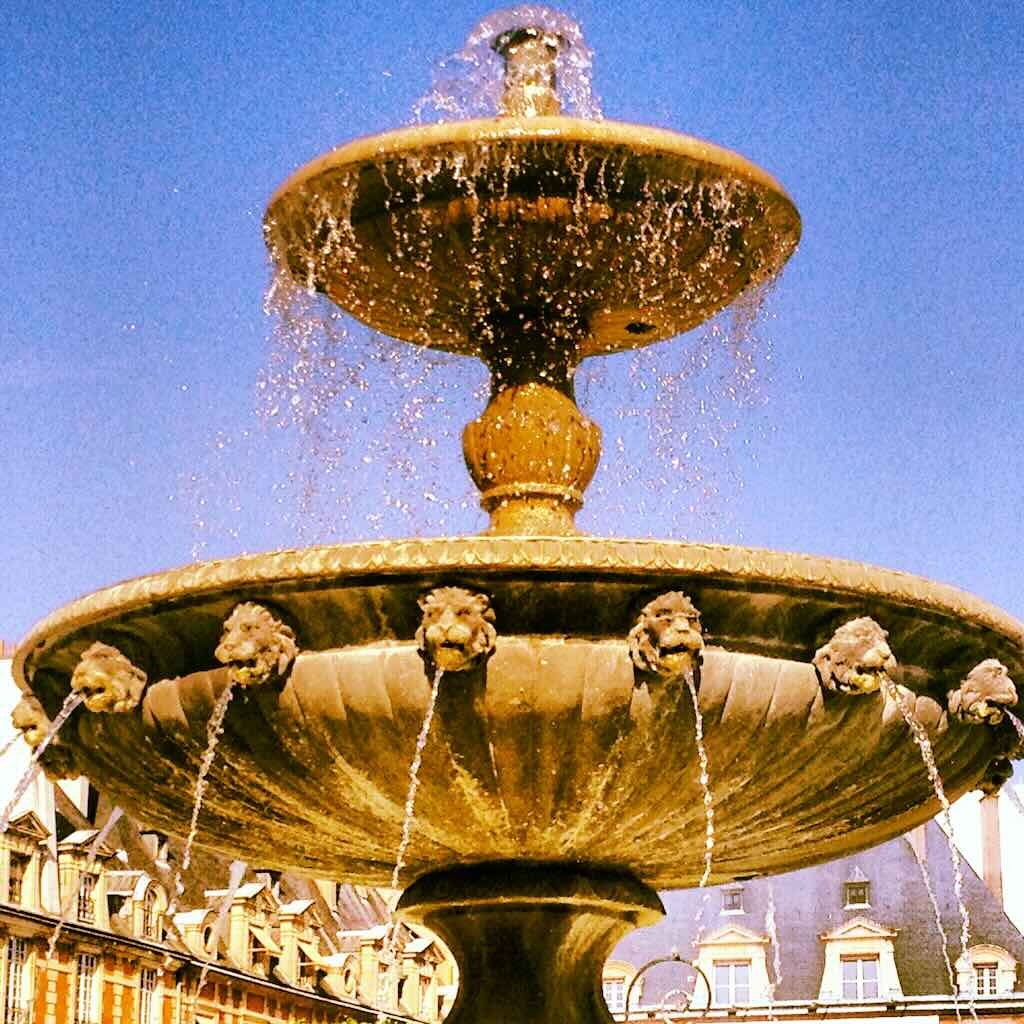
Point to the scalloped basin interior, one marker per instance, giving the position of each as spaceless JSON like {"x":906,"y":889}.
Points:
{"x":637,"y":234}
{"x":550,"y":754}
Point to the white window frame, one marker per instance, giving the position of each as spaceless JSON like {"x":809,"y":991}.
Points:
{"x":986,"y":978}
{"x":859,"y":982}
{"x":85,"y":906}
{"x":614,"y":991}
{"x":17,"y":1006}
{"x":149,"y":1001}
{"x":733,"y":989}
{"x":87,"y":989}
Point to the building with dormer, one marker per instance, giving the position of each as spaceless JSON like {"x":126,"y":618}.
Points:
{"x":855,"y":939}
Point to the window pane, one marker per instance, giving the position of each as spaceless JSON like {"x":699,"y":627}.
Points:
{"x":849,"y":971}
{"x":871,"y":989}
{"x":849,"y":989}
{"x":870,"y":969}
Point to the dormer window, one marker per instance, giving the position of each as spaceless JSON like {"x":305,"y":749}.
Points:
{"x":986,"y":979}
{"x":16,"y":876}
{"x":986,"y":970}
{"x":857,"y":894}
{"x":860,"y":977}
{"x":149,"y":915}
{"x":732,"y":901}
{"x":86,"y":908}
{"x":860,"y":963}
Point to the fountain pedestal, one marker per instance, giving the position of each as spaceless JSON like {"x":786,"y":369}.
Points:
{"x":530,"y":939}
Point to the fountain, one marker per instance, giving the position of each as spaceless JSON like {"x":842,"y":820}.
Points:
{"x":599,"y":702}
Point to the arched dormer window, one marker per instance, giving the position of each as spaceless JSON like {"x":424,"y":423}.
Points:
{"x":150,"y":916}
{"x":986,"y":970}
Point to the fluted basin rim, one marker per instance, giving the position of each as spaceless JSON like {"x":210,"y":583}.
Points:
{"x":591,"y":556}
{"x":639,"y":138}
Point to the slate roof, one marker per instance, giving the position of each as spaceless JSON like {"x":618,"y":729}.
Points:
{"x":811,"y":902}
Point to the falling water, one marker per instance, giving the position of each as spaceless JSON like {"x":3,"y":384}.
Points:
{"x":388,"y":952}
{"x":10,"y":743}
{"x":937,"y":915}
{"x":468,"y":83}
{"x":923,"y":743}
{"x":235,"y":875}
{"x":34,"y":767}
{"x":214,"y":728}
{"x":771,"y":928}
{"x":70,"y":897}
{"x":705,"y":782}
{"x":709,"y":811}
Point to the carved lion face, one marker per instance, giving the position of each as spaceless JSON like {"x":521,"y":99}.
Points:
{"x":29,"y":718}
{"x":254,"y":645}
{"x":107,"y":680}
{"x":667,"y":638}
{"x":982,"y":696}
{"x":58,"y":759}
{"x":456,"y":632}
{"x":856,"y":659}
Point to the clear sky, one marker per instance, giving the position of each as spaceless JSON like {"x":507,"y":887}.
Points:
{"x":140,"y":143}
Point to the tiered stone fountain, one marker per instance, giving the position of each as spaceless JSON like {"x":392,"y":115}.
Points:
{"x":560,"y":784}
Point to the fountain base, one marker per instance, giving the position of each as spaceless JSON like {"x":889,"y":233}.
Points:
{"x":530,"y":939}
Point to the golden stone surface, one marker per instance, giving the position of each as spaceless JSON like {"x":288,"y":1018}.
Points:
{"x":423,"y":232}
{"x":550,"y":752}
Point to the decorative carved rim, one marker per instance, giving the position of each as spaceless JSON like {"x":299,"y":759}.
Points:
{"x":639,"y":138}
{"x":586,"y":555}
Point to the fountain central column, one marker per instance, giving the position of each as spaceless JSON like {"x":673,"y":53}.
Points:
{"x":532,"y":453}
{"x":530,"y":940}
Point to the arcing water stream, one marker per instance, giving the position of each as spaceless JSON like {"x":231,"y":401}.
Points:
{"x":71,"y":702}
{"x":705,"y":782}
{"x":923,"y":743}
{"x":214,"y":728}
{"x":388,"y":952}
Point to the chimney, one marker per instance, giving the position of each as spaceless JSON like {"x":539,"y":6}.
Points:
{"x":991,"y":846}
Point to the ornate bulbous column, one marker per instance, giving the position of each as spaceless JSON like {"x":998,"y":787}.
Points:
{"x":532,"y":453}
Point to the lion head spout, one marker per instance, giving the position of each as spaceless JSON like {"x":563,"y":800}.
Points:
{"x":457,"y":631}
{"x":667,"y":640}
{"x":857,"y":659}
{"x":107,"y":680}
{"x":255,"y":646}
{"x":983,"y":695}
{"x":30,"y":719}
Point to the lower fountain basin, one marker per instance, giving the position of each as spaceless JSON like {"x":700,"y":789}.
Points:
{"x":553,"y":752}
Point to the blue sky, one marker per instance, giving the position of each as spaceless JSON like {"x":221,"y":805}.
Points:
{"x":142,"y":141}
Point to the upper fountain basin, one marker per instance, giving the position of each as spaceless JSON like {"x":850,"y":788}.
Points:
{"x":555,"y":750}
{"x":628,"y":234}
